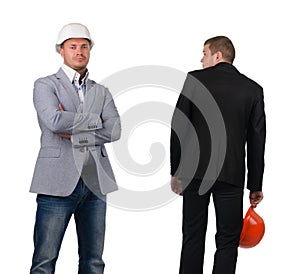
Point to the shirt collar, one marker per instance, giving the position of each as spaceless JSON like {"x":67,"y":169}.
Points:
{"x":72,"y":74}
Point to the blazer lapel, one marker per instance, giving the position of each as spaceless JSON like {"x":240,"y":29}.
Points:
{"x":89,"y":98}
{"x":62,"y":77}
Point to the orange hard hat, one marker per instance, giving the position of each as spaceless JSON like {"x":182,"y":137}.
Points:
{"x":253,"y":229}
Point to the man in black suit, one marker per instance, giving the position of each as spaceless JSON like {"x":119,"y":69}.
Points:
{"x":208,"y":154}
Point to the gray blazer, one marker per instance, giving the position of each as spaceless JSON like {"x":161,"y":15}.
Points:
{"x":60,"y":161}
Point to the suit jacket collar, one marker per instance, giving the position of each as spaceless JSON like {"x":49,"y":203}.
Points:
{"x":61,"y":75}
{"x":227,"y":67}
{"x":64,"y":78}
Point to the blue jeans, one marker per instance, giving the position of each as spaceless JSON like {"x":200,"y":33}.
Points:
{"x":52,"y":218}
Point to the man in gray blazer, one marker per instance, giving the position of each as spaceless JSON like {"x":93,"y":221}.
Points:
{"x":73,"y":174}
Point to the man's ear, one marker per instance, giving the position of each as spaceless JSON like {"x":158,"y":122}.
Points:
{"x":219,"y":56}
{"x":61,"y":51}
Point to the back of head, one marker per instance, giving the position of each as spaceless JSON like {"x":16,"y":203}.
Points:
{"x":222,"y":44}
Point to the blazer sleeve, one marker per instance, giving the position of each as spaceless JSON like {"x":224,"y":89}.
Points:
{"x":179,"y":127}
{"x":256,"y":137}
{"x":110,"y":130}
{"x":46,"y":104}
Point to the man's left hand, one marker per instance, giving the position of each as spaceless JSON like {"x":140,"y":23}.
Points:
{"x":255,"y":198}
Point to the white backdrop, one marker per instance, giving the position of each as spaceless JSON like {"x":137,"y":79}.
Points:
{"x":135,"y":33}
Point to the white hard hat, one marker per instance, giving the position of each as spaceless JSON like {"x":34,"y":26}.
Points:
{"x":73,"y":30}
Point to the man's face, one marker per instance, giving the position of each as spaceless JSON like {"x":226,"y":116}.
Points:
{"x":208,"y":59}
{"x":76,"y":53}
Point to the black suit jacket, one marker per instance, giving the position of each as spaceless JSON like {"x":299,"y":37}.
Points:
{"x":240,"y":103}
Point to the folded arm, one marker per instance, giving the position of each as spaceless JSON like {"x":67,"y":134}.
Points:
{"x":110,"y":130}
{"x":47,"y":104}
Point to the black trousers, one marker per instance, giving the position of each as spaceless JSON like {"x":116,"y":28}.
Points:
{"x":228,"y":203}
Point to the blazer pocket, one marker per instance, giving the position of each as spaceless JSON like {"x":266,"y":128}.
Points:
{"x":49,"y":152}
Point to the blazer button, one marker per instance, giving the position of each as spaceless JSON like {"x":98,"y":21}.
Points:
{"x":82,"y":149}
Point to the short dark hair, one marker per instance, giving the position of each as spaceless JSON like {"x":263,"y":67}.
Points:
{"x":222,"y":44}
